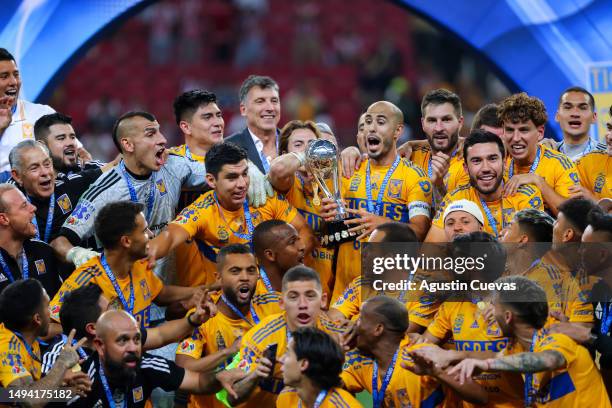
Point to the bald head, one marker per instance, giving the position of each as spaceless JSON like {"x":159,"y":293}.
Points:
{"x":387,"y":109}
{"x":113,"y":322}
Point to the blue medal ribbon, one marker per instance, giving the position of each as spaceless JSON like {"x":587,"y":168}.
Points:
{"x":264,"y":277}
{"x":490,"y":218}
{"x":80,"y":350}
{"x":128,"y":307}
{"x":132,"y":190}
{"x":320,"y":398}
{"x":381,"y":192}
{"x":188,"y":152}
{"x":107,"y":390}
{"x":27,"y":346}
{"x":247,"y":218}
{"x":532,"y":169}
{"x":530,"y":391}
{"x":24,"y":267}
{"x":606,"y":319}
{"x":239,"y":313}
{"x":378,"y":395}
{"x":49,"y":224}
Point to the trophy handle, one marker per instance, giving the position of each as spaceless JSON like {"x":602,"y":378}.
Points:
{"x":334,"y":196}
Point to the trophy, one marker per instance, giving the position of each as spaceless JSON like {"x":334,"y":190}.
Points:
{"x":322,"y":163}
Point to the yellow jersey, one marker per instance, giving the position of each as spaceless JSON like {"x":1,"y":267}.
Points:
{"x":421,"y":312}
{"x":272,"y":330}
{"x":220,"y":332}
{"x":595,"y":172}
{"x":335,"y":398}
{"x":527,"y":196}
{"x":558,"y":170}
{"x":15,"y":359}
{"x":405,"y":389}
{"x":465,"y":324}
{"x":145,"y":283}
{"x":456,"y":175}
{"x":407,"y":195}
{"x":577,"y":385}
{"x":212,"y":227}
{"x":321,"y":258}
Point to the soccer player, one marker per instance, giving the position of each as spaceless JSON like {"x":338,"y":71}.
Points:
{"x":529,"y":162}
{"x":302,"y":300}
{"x":384,"y":188}
{"x":223,"y":216}
{"x":382,"y":346}
{"x":487,"y":119}
{"x":483,"y":153}
{"x":557,"y":371}
{"x":289,"y":176}
{"x":21,"y":256}
{"x":529,"y":234}
{"x":361,"y":144}
{"x":575,"y":114}
{"x":56,"y":132}
{"x":24,"y":313}
{"x":278,"y":248}
{"x":595,"y":168}
{"x":311,"y":369}
{"x":120,"y":271}
{"x":462,"y":217}
{"x":122,"y":375}
{"x":241,"y":305}
{"x":260,"y":105}
{"x":32,"y":169}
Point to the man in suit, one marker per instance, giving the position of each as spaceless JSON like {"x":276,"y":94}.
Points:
{"x":260,"y":104}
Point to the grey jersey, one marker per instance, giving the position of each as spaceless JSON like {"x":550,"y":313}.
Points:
{"x":178,"y":172}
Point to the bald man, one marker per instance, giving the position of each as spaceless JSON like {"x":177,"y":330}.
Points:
{"x":384,"y":188}
{"x":118,"y":369}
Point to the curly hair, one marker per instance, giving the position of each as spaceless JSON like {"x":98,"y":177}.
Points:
{"x":521,"y":107}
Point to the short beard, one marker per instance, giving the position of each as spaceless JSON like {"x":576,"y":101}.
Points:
{"x":119,"y":373}
{"x":231,"y":296}
{"x":452,"y":144}
{"x":474,"y":183}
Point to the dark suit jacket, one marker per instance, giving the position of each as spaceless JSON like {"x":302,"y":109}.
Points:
{"x":244,"y":140}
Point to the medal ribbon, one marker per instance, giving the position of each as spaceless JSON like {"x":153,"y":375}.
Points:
{"x":128,"y":307}
{"x":24,"y":267}
{"x":381,"y":193}
{"x":132,"y":190}
{"x":532,"y":169}
{"x":378,"y":395}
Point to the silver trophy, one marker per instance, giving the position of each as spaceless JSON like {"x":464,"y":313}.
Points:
{"x":322,"y":163}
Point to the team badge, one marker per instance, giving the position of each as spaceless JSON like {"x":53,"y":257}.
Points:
{"x":28,"y":131}
{"x":458,"y":323}
{"x":41,"y":268}
{"x":64,"y":203}
{"x":355,"y":181}
{"x":161,"y":187}
{"x":222,"y":234}
{"x":395,"y":188}
{"x":146,"y":293}
{"x":137,"y":394}
{"x":599,"y":183}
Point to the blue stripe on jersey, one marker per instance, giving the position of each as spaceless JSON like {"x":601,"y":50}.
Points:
{"x":272,"y":327}
{"x":337,"y":400}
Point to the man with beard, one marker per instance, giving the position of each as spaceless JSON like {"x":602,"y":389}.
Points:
{"x":21,"y":256}
{"x":242,"y":304}
{"x":557,"y":371}
{"x":483,"y":155}
{"x":384,"y":188}
{"x":120,"y":271}
{"x":529,"y":162}
{"x":382,"y":346}
{"x":595,"y":169}
{"x":24,"y":314}
{"x":122,"y":375}
{"x":32,"y":170}
{"x":56,"y":132}
{"x":278,"y":248}
{"x":223,"y":216}
{"x":575,"y":114}
{"x":302,"y":299}
{"x":311,"y":369}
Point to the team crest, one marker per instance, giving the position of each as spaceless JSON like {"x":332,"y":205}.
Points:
{"x":395,"y":188}
{"x":64,"y":203}
{"x":41,"y":268}
{"x":355,"y":181}
{"x":458,"y":323}
{"x":27,"y":131}
{"x":222,"y":234}
{"x":137,"y":394}
{"x":574,"y":176}
{"x":161,"y":187}
{"x":220,"y":341}
{"x":145,"y":289}
{"x":599,"y":183}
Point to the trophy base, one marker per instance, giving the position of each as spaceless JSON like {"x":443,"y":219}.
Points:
{"x":335,"y":233}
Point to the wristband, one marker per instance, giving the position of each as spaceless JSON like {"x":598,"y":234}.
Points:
{"x":300,"y":156}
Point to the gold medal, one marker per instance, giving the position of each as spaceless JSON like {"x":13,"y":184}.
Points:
{"x":316,"y":200}
{"x":76,"y":368}
{"x":481,"y":305}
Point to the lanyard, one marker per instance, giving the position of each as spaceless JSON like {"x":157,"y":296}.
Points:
{"x":107,"y":390}
{"x":264,"y":277}
{"x":320,"y":397}
{"x":530,"y":391}
{"x":49,"y":219}
{"x":381,"y":193}
{"x":239,"y":313}
{"x":606,"y":319}
{"x":27,"y":346}
{"x":490,"y":218}
{"x":80,"y":350}
{"x":128,"y":307}
{"x":247,"y":219}
{"x":532,"y":169}
{"x":378,"y":395}
{"x":188,"y":152}
{"x":132,"y":190}
{"x":7,"y":270}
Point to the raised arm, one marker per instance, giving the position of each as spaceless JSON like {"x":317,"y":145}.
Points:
{"x":166,"y":241}
{"x":282,"y":170}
